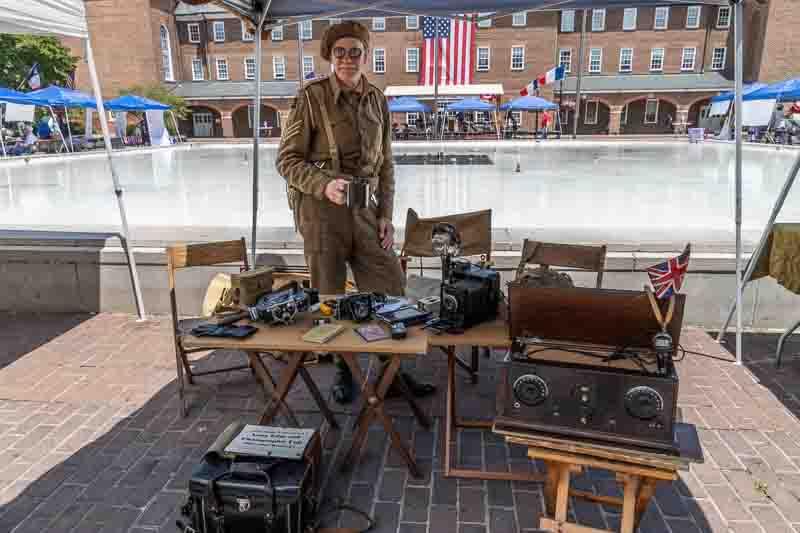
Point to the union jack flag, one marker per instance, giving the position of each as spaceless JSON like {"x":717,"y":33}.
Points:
{"x":667,"y":277}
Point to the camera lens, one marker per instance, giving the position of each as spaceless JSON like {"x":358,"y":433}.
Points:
{"x":450,"y":303}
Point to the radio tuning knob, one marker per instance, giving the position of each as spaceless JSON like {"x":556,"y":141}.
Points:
{"x":530,"y":390}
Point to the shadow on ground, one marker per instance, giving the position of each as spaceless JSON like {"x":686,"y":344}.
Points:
{"x":24,"y":332}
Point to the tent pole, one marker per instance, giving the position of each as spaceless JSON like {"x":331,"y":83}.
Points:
{"x":58,"y":127}
{"x":436,"y":78}
{"x":738,"y":37}
{"x":69,"y":130}
{"x":576,"y":115}
{"x":257,"y":132}
{"x":101,"y":111}
{"x":2,"y":141}
{"x":177,"y":127}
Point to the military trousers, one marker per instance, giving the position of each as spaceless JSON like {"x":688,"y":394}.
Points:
{"x":336,"y":236}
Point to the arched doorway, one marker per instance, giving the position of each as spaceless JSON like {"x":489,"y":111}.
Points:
{"x":202,"y":121}
{"x":243,"y":121}
{"x":648,"y":115}
{"x":696,"y":111}
{"x":594,"y":120}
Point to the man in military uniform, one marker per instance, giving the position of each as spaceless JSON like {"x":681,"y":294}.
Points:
{"x":338,"y":129}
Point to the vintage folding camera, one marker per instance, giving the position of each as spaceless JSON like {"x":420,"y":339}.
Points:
{"x":356,"y":307}
{"x":470,"y":295}
{"x":283,"y":305}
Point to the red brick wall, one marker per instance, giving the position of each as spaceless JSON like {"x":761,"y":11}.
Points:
{"x":779,"y":39}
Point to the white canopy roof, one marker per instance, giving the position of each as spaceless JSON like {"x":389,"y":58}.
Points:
{"x":44,"y":17}
{"x":444,"y":90}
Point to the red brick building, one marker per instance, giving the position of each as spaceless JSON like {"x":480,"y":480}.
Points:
{"x":643,"y":69}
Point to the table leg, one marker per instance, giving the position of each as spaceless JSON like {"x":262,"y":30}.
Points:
{"x":550,"y":484}
{"x":646,"y":491}
{"x":782,"y":340}
{"x":419,"y":414}
{"x":562,"y":493}
{"x":318,"y":398}
{"x":450,"y":416}
{"x":277,"y":396}
{"x":630,"y":493}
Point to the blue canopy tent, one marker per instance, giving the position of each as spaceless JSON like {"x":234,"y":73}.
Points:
{"x":409,"y":104}
{"x":66,"y":98}
{"x":474,"y":104}
{"x":727,"y":96}
{"x":784,"y":91}
{"x":13,"y":97}
{"x":134,"y":102}
{"x":529,"y":103}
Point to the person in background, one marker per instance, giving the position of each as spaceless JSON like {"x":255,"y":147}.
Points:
{"x":43,"y":130}
{"x":546,"y":123}
{"x":25,"y":146}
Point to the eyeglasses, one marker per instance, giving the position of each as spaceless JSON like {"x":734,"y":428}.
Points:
{"x":353,"y":53}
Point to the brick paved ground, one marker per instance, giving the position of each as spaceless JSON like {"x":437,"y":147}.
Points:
{"x":91,"y":440}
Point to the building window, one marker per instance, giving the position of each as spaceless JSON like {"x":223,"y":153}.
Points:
{"x":565,"y":59}
{"x":517,"y":57}
{"x":598,"y":19}
{"x":651,"y":112}
{"x":194,"y":33}
{"x":412,"y":59}
{"x":222,"y":69}
{"x":411,"y":118}
{"x":629,"y":19}
{"x":516,"y":116}
{"x":333,"y":21}
{"x":626,"y":59}
{"x":657,"y":59}
{"x":661,"y":19}
{"x":723,"y":17}
{"x":568,"y":20}
{"x":623,"y":119}
{"x":484,"y":21}
{"x":412,"y":22}
{"x":379,"y":60}
{"x":308,"y":66}
{"x":250,"y":68}
{"x":166,"y":55}
{"x":378,"y":24}
{"x":306,"y":30}
{"x":718,"y":58}
{"x":519,"y":19}
{"x":277,"y":33}
{"x":693,"y":17}
{"x":483,"y":59}
{"x":197,"y":69}
{"x":595,"y":60}
{"x":247,"y":35}
{"x":279,"y":67}
{"x":592,"y":110}
{"x":687,"y":58}
{"x":219,"y":31}
{"x":481,"y":117}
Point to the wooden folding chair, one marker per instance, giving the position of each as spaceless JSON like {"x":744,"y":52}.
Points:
{"x":475,"y":229}
{"x":546,"y":254}
{"x":184,"y":256}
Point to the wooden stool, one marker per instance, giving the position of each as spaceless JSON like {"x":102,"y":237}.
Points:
{"x":638,"y":471}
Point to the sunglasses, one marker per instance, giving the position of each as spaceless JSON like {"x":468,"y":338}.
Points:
{"x":353,"y":53}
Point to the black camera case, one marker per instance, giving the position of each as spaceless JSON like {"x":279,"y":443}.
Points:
{"x":470,"y":296}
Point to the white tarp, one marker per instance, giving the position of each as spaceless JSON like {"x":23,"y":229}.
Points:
{"x":155,"y":126}
{"x":19,"y":113}
{"x":88,"y":123}
{"x":44,"y":17}
{"x":719,"y":109}
{"x":757,"y":112}
{"x":121,"y":124}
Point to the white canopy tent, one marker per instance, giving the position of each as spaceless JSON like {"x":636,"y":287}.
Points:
{"x":68,"y":18}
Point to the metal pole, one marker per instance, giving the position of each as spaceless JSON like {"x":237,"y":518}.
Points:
{"x":137,"y":290}
{"x":739,"y":75}
{"x":256,"y":133}
{"x":577,"y":114}
{"x":58,"y":127}
{"x":751,"y":266}
{"x":2,"y":142}
{"x":69,"y":130}
{"x":436,"y":77}
{"x":300,"y":75}
{"x":177,"y":126}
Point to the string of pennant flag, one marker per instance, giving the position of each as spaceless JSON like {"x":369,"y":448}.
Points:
{"x":551,"y":76}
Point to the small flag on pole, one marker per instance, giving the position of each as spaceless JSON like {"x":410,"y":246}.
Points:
{"x":667,"y":277}
{"x":34,"y":78}
{"x":528,"y":89}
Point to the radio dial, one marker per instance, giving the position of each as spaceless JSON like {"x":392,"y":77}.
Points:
{"x":530,"y":390}
{"x":644,"y":403}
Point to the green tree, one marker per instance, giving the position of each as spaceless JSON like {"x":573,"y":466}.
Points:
{"x":18,"y":53}
{"x":162,"y":94}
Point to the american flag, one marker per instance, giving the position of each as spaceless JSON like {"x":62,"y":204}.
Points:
{"x":667,"y":277}
{"x":456,"y":50}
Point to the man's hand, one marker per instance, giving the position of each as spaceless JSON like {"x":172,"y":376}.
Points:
{"x":386,"y":233}
{"x":334,"y":191}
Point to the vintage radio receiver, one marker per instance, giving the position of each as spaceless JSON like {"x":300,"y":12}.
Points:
{"x":585,"y":367}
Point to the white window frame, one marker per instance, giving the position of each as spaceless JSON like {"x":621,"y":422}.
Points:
{"x":720,"y":11}
{"x":599,"y":56}
{"x":217,"y":63}
{"x":478,"y":65}
{"x":375,"y":54}
{"x":378,"y":23}
{"x":278,"y":67}
{"x":415,"y":53}
{"x":412,"y":117}
{"x":623,"y":119}
{"x":567,"y":15}
{"x":518,"y":47}
{"x":196,"y":27}
{"x":721,"y":65}
{"x":698,"y":12}
{"x":486,"y":23}
{"x":519,"y":19}
{"x":598,"y":19}
{"x":219,"y":37}
{"x":335,"y":20}
{"x":655,"y":118}
{"x":247,"y":61}
{"x":196,"y":61}
{"x":517,"y":118}
{"x":568,"y":65}
{"x":246,"y":35}
{"x":684,"y":67}
{"x":665,"y":11}
{"x":586,"y":116}
{"x":630,"y":62}
{"x":635,"y":14}
{"x":277,"y":33}
{"x":306,"y":30}
{"x":306,"y":72}
{"x":653,"y":56}
{"x":412,"y":22}
{"x":168,"y":72}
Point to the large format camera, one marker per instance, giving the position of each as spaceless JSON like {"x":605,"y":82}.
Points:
{"x":283,"y":305}
{"x":470,"y":293}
